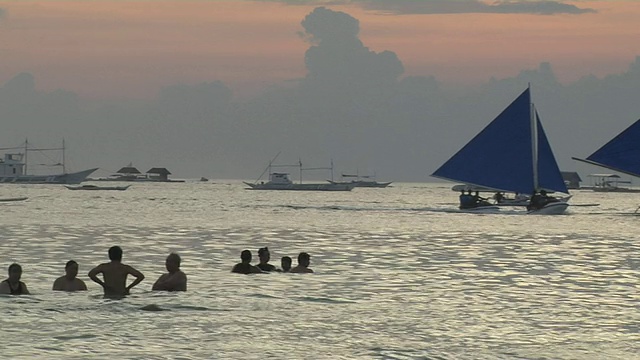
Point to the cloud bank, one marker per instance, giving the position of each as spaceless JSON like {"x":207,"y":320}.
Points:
{"x":354,"y":106}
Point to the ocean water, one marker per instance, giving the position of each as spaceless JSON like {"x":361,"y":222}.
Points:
{"x":398,"y":276}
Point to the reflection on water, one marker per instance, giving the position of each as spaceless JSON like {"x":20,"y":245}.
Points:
{"x":396,"y":277}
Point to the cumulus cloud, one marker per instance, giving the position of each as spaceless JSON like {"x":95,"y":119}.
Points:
{"x":338,"y":58}
{"x":399,"y":7}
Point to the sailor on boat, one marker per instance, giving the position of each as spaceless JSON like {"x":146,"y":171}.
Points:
{"x":539,"y":200}
{"x":466,"y":200}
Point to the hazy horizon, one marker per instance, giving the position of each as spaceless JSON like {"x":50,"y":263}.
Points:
{"x":371,"y":86}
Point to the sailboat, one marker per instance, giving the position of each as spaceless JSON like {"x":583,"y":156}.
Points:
{"x":511,"y":154}
{"x":620,"y":154}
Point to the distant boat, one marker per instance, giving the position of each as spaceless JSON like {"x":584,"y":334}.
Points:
{"x":13,"y":199}
{"x":621,"y":154}
{"x":361,"y":181}
{"x":95,"y":187}
{"x":511,"y":154}
{"x":609,"y":183}
{"x":281,"y":180}
{"x":13,"y":169}
{"x":131,"y":174}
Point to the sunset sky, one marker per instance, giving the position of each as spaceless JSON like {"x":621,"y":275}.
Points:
{"x":132,"y":49}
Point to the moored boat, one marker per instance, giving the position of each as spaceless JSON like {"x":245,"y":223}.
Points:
{"x":95,"y":187}
{"x":281,"y":180}
{"x":361,"y":181}
{"x":13,"y":169}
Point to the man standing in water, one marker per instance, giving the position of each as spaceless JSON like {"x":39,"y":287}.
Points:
{"x":175,"y":279}
{"x":13,"y":285}
{"x":115,"y":275}
{"x":69,"y":282}
{"x":265,"y":256}
{"x":245,"y":266}
{"x":286,"y":263}
{"x":304,"y":260}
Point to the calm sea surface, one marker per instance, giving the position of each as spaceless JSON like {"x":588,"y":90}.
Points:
{"x":397,"y":276}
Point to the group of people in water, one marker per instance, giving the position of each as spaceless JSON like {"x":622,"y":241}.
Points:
{"x":537,"y":201}
{"x":114,"y":274}
{"x":245,"y":267}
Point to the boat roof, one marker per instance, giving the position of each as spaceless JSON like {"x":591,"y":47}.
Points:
{"x":605,"y":175}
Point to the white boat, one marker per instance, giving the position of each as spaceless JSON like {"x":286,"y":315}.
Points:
{"x":281,"y":180}
{"x":361,"y":181}
{"x":95,"y":187}
{"x":511,"y":154}
{"x":13,"y":169}
{"x":609,"y":183}
{"x":620,"y":154}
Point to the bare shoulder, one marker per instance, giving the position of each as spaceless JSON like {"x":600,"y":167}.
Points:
{"x":58,"y":283}
{"x":100,"y":267}
{"x":4,"y":287}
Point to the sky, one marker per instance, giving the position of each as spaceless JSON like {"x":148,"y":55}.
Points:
{"x":217,"y":88}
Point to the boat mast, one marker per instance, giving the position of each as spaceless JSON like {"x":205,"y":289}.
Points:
{"x":534,"y":140}
{"x":26,"y":146}
{"x":64,"y":170}
{"x":268,"y":168}
{"x":331,"y":169}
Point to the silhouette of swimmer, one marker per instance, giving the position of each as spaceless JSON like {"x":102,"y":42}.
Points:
{"x":175,"y":279}
{"x":115,"y":275}
{"x":304,"y":260}
{"x":12,"y":285}
{"x":69,"y":281}
{"x":265,"y":256}
{"x":286,"y":263}
{"x":245,"y":266}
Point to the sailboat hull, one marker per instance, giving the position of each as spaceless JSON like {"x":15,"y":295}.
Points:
{"x":554,"y":208}
{"x":68,"y":178}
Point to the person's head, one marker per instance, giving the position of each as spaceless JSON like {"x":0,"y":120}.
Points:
{"x":115,"y":253}
{"x":173,"y":262}
{"x":15,"y":272}
{"x":286,"y":263}
{"x":264,"y":255}
{"x":304,"y":259}
{"x":245,"y":256}
{"x":543,"y":192}
{"x":71,"y":269}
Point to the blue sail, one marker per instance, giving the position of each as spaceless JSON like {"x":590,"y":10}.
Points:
{"x":622,"y":153}
{"x":549,"y":175}
{"x":501,"y":157}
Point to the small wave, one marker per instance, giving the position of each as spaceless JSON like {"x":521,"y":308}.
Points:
{"x":326,"y":300}
{"x":75,"y":337}
{"x":264,"y":296}
{"x":153,"y":307}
